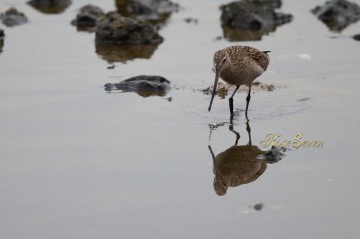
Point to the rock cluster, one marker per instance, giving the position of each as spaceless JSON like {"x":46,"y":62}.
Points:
{"x":251,"y":14}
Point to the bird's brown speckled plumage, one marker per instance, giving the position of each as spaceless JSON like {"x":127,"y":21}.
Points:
{"x":243,"y":64}
{"x":238,"y":65}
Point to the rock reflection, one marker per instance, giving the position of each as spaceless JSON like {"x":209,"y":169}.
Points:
{"x":239,"y":165}
{"x":238,"y":34}
{"x":123,"y":53}
{"x":50,"y":6}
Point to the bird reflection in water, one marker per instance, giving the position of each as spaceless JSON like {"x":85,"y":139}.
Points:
{"x":240,"y":164}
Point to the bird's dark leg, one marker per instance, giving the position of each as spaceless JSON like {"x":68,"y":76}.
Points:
{"x":231,"y":105}
{"x":248,"y":129}
{"x":231,"y":128}
{"x":247,"y":101}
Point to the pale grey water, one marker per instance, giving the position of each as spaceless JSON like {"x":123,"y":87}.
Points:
{"x":76,"y":162}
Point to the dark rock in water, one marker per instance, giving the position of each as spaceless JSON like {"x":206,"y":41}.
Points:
{"x":13,"y":17}
{"x":2,"y":33}
{"x":123,"y":53}
{"x":357,"y":37}
{"x":114,"y":28}
{"x":88,"y":17}
{"x":258,"y":206}
{"x":143,"y":85}
{"x":251,"y":19}
{"x":50,"y":6}
{"x":156,"y":11}
{"x":337,"y":14}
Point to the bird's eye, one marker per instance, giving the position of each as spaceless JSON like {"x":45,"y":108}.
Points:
{"x":224,"y":59}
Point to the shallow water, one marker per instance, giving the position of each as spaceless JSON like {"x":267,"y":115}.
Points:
{"x":77,"y":162}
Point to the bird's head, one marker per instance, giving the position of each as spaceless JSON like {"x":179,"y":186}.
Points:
{"x":221,"y":59}
{"x":219,"y":64}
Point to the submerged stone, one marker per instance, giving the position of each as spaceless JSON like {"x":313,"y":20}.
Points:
{"x":50,"y":6}
{"x":114,"y":28}
{"x":13,"y":17}
{"x":337,"y":14}
{"x":250,"y":20}
{"x":142,"y":84}
{"x":88,"y":17}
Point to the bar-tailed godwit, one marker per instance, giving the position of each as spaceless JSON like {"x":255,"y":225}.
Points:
{"x":238,"y":65}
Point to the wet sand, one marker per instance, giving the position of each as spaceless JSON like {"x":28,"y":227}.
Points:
{"x":77,"y":162}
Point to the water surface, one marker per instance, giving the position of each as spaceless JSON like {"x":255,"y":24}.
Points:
{"x":77,"y":162}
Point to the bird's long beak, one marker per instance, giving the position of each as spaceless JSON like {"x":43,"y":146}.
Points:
{"x":217,"y":76}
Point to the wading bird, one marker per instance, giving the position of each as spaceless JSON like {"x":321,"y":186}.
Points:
{"x":238,"y":65}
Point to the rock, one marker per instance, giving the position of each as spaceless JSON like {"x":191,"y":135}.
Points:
{"x":251,"y":19}
{"x":337,"y":14}
{"x":2,"y":33}
{"x":123,"y":53}
{"x":143,"y":85}
{"x":88,"y":17}
{"x":249,"y":14}
{"x":258,"y":206}
{"x":357,"y":37}
{"x":114,"y":28}
{"x":50,"y":6}
{"x":13,"y":17}
{"x":157,"y":11}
